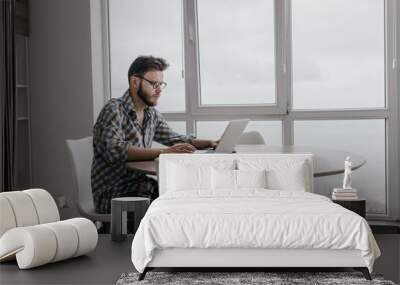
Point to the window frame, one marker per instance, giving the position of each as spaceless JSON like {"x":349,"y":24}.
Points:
{"x":192,"y":70}
{"x":284,"y":89}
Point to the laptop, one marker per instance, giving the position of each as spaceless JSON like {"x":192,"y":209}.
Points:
{"x":229,"y":138}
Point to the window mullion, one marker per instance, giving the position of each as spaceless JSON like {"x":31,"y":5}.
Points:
{"x":191,"y":72}
{"x":192,"y":88}
{"x":284,"y":66}
{"x":287,"y":132}
{"x":339,"y":114}
{"x":392,"y":104}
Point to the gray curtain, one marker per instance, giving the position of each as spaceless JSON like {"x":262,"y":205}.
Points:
{"x":8,"y":94}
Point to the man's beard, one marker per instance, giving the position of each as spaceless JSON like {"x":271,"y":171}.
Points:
{"x":143,"y":96}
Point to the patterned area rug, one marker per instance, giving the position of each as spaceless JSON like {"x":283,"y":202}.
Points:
{"x":229,"y":278}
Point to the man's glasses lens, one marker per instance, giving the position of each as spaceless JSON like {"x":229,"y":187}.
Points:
{"x":160,"y":85}
{"x":154,"y":84}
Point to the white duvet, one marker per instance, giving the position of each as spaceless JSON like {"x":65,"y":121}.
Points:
{"x":250,"y":219}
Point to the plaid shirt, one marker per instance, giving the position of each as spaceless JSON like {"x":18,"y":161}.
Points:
{"x":116,"y":128}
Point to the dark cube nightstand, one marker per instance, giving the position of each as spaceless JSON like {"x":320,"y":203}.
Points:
{"x":357,"y":206}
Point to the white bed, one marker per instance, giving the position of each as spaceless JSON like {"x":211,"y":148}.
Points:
{"x":221,"y":225}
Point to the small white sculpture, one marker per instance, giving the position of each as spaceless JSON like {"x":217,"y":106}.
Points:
{"x":347,"y":174}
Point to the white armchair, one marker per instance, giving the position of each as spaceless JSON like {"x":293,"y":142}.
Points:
{"x":31,"y":230}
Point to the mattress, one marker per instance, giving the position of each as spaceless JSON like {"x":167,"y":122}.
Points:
{"x":251,"y":219}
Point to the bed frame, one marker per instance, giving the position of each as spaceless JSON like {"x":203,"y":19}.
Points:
{"x":246,"y":258}
{"x":256,"y":258}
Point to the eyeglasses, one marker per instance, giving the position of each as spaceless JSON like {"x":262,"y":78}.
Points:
{"x":154,"y":84}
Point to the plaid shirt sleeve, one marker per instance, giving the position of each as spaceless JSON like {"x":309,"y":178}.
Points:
{"x":111,"y":136}
{"x":166,"y":136}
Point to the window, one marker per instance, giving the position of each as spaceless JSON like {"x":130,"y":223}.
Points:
{"x":360,"y":137}
{"x":333,"y":60}
{"x":304,"y":73}
{"x":133,"y":33}
{"x":340,"y":66}
{"x":236,"y":51}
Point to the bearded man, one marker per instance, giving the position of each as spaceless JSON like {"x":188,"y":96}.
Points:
{"x":125,"y":130}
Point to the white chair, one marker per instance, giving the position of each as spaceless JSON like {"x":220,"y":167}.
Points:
{"x":81,"y":155}
{"x":252,"y":137}
{"x":31,"y":231}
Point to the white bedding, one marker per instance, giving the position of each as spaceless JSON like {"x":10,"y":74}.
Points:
{"x":251,"y":218}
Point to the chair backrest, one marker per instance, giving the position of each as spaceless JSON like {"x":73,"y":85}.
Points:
{"x":81,"y":155}
{"x":252,"y":137}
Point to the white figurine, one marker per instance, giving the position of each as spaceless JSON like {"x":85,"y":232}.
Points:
{"x":347,"y":174}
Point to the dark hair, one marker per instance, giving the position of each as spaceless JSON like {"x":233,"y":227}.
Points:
{"x":142,"y":64}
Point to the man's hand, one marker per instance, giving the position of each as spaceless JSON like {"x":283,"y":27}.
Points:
{"x":204,"y":144}
{"x":214,"y":144}
{"x":180,"y":148}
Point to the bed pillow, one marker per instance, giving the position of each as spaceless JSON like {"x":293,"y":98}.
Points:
{"x":282,"y":174}
{"x":227,"y":179}
{"x":290,"y":178}
{"x":183,"y":177}
{"x":223,"y":179}
{"x":251,"y":178}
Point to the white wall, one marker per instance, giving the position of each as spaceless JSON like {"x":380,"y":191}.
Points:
{"x":61,"y":88}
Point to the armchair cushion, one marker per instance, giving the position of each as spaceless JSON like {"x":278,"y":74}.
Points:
{"x":31,"y":232}
{"x":37,"y":245}
{"x":26,"y":208}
